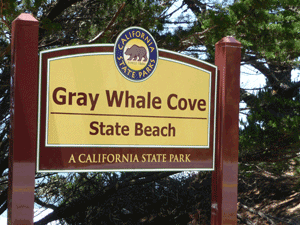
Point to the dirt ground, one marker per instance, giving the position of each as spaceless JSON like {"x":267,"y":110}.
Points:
{"x":266,"y":199}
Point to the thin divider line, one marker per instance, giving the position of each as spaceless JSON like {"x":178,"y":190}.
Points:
{"x":92,"y":114}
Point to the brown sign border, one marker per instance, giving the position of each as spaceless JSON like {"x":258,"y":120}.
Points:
{"x":55,"y":159}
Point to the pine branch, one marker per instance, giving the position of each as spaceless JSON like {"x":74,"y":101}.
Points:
{"x":6,"y":51}
{"x":3,"y":208}
{"x":162,"y":16}
{"x":100,"y":35}
{"x":3,"y":19}
{"x":3,"y":165}
{"x":264,"y":216}
{"x":77,"y":205}
{"x":45,"y":205}
{"x":3,"y":200}
{"x":60,"y":6}
{"x":271,"y":156}
{"x":249,"y":99}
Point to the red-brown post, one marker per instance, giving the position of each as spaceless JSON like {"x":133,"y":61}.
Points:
{"x":225,"y":176}
{"x":24,"y":95}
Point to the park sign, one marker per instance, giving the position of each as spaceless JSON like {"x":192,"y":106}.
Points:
{"x":127,"y":106}
{"x":123,"y":107}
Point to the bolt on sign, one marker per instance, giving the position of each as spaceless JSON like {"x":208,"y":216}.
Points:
{"x":127,"y":106}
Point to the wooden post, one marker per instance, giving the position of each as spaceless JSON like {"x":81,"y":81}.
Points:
{"x":23,"y":115}
{"x":225,"y":176}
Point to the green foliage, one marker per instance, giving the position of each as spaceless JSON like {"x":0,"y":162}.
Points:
{"x":269,"y":28}
{"x":271,"y":135}
{"x":269,"y":33}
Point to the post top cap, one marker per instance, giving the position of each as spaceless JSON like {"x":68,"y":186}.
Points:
{"x":229,"y":40}
{"x":26,"y":17}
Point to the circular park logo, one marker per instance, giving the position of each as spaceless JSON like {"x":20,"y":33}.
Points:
{"x":136,"y":54}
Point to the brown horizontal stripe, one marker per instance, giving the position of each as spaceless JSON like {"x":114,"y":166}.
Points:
{"x":164,"y":117}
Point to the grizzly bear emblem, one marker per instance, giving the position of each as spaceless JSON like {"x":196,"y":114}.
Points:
{"x":135,"y":51}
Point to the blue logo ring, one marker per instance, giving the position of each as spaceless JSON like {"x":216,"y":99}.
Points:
{"x":136,"y":54}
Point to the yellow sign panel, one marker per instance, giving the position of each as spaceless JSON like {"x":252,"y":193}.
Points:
{"x":90,"y":104}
